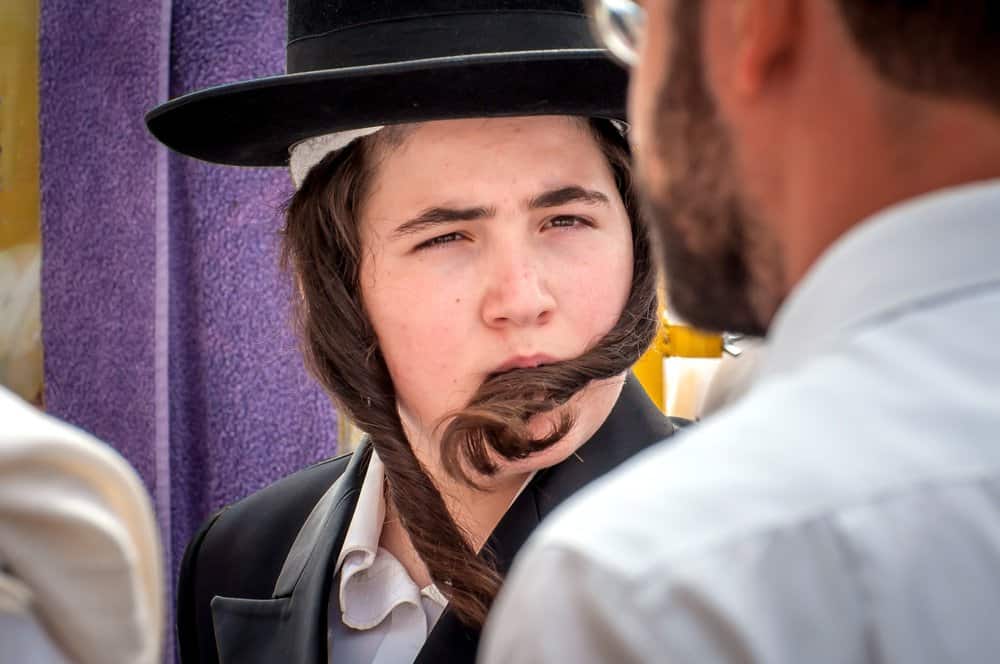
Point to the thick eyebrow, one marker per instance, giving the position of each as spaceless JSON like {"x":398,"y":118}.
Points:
{"x":435,"y":216}
{"x":564,"y":195}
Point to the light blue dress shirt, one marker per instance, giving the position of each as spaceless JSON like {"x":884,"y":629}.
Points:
{"x":846,"y":510}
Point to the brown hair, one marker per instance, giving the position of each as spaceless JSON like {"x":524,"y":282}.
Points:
{"x":323,"y":249}
{"x":937,"y":47}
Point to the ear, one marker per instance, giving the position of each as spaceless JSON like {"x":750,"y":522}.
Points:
{"x":765,"y":33}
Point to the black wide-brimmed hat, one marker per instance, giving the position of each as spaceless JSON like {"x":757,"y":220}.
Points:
{"x":380,"y":62}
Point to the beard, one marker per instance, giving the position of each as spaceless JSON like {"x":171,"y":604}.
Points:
{"x":723,"y":267}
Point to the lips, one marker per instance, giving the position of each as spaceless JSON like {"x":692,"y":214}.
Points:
{"x":523,"y":362}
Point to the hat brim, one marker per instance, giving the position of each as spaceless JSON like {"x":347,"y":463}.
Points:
{"x":254,"y":123}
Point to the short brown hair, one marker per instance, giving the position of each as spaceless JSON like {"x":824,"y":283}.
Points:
{"x":948,"y":48}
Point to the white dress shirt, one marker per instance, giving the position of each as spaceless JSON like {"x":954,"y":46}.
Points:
{"x":847,"y":509}
{"x":378,"y":614}
{"x":22,"y":634}
{"x":81,"y":574}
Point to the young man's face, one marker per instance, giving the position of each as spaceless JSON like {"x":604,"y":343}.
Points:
{"x":491,"y":245}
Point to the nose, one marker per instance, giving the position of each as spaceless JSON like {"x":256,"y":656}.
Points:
{"x":517,"y":294}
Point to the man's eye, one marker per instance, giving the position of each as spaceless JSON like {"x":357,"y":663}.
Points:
{"x":567,"y":221}
{"x":440,"y":240}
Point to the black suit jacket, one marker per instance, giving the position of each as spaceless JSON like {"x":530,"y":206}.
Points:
{"x":256,"y":578}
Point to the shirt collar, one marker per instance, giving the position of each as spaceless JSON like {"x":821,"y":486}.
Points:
{"x":365,"y":531}
{"x":372,"y":582}
{"x":912,"y":253}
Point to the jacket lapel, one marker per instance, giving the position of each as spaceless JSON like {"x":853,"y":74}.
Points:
{"x":633,"y":425}
{"x":291,"y":627}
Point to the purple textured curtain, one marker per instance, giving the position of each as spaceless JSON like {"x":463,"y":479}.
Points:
{"x":165,"y":317}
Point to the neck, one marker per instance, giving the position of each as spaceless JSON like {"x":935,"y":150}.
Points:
{"x":908,"y":147}
{"x":477,"y":512}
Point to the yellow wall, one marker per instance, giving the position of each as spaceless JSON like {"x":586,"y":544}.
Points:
{"x":20,"y":231}
{"x":19,"y":190}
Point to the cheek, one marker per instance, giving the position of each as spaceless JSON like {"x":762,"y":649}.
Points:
{"x":418,"y":321}
{"x":596,"y":288}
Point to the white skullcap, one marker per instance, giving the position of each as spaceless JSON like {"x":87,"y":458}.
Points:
{"x":306,"y":154}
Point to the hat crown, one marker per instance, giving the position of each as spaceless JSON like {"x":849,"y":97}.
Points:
{"x":315,"y":17}
{"x":368,"y":63}
{"x":331,"y":34}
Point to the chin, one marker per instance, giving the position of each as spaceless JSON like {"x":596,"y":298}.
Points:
{"x":579,"y":434}
{"x":552,"y":456}
{"x":590,"y":407}
{"x":517,"y":470}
